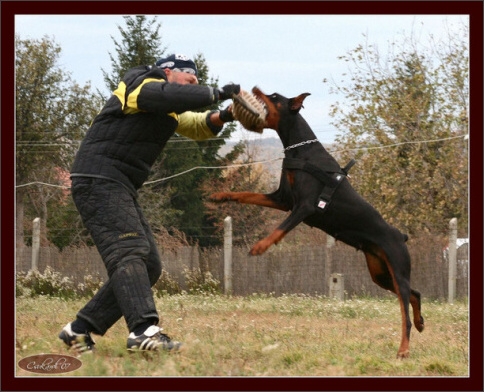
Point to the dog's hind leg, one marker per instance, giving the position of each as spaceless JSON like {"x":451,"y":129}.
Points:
{"x":384,"y":275}
{"x":418,"y":319}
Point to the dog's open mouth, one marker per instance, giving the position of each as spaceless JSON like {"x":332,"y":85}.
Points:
{"x":264,"y":110}
{"x":259,"y":95}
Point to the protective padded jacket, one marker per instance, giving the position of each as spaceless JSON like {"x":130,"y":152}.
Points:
{"x":133,"y":127}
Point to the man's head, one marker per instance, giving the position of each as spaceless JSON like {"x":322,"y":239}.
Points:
{"x":179,"y":69}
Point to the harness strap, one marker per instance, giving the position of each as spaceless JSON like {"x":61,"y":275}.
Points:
{"x":348,"y":166}
{"x":331,"y":178}
{"x":316,"y":171}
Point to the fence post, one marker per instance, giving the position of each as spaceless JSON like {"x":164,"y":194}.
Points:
{"x":452,"y":258}
{"x":228,"y":255}
{"x":337,"y":286}
{"x":329,"y":261}
{"x":35,"y":244}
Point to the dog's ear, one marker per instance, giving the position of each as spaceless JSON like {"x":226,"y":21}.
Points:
{"x":296,"y":103}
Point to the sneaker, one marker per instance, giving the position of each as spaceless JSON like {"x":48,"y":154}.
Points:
{"x":151,"y":339}
{"x":81,"y":342}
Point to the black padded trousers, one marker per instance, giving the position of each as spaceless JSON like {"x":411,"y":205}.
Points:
{"x":125,"y":242}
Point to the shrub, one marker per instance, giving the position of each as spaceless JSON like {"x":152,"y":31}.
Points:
{"x":49,"y":283}
{"x":199,"y":282}
{"x":166,"y":285}
{"x":53,"y":284}
{"x":90,"y":286}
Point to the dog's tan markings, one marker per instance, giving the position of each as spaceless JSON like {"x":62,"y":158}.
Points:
{"x":273,"y":117}
{"x":261,"y":246}
{"x":258,"y":199}
{"x":417,"y":315}
{"x":383,"y":275}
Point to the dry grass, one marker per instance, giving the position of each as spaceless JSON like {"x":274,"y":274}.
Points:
{"x":262,"y":336}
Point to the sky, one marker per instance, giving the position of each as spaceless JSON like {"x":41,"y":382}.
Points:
{"x":288,"y":54}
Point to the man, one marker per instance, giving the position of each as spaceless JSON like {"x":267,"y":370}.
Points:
{"x":150,"y":104}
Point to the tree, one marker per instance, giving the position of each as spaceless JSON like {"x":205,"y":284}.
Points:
{"x":251,"y":223}
{"x":175,"y":203}
{"x":181,"y":155}
{"x":405,"y":120}
{"x":141,"y":44}
{"x":52,"y":113}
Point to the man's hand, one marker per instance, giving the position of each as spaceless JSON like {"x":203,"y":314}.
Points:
{"x":227,"y":91}
{"x":226,"y":115}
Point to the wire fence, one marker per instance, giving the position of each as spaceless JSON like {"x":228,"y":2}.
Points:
{"x":284,"y":269}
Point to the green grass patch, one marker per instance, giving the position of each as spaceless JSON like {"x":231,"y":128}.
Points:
{"x":261,"y":335}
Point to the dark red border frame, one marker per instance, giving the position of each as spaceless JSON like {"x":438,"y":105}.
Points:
{"x":8,"y":11}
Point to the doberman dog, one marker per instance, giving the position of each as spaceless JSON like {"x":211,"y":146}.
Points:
{"x":316,"y":190}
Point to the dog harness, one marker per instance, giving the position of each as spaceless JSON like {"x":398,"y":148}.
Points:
{"x":330,"y":179}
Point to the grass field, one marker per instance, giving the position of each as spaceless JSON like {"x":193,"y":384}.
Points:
{"x":261,"y":335}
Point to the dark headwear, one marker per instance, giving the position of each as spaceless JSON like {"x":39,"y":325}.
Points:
{"x":178,"y":62}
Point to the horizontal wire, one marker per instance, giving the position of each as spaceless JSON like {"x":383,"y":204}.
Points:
{"x":465,"y":137}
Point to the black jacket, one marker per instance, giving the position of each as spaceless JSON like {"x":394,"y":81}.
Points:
{"x":133,"y":127}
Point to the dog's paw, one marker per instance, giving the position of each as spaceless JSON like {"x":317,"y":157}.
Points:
{"x":420,"y":326}
{"x":220,"y":197}
{"x":259,"y":248}
{"x":403,"y":354}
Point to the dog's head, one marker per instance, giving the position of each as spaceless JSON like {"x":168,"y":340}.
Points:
{"x":278,"y":107}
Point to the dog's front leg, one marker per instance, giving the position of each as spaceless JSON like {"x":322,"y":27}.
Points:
{"x":259,"y":199}
{"x":264,"y":244}
{"x":295,"y":218}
